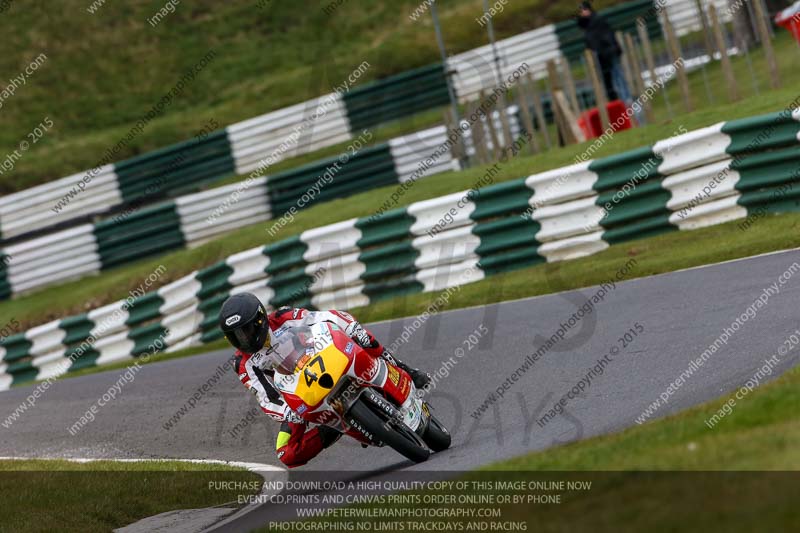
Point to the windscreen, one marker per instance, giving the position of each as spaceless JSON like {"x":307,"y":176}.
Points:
{"x":295,"y":343}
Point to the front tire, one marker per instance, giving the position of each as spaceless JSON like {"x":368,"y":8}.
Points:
{"x":397,"y":435}
{"x":436,"y":436}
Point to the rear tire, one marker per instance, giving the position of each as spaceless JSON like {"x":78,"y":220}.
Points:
{"x":397,"y":435}
{"x":436,"y":436}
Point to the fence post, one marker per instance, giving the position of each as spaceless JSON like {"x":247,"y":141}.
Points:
{"x":572,"y":132}
{"x":599,"y":90}
{"x":637,"y":77}
{"x":554,"y":84}
{"x":706,"y":30}
{"x":492,"y":131}
{"x":508,"y":137}
{"x":569,"y":83}
{"x":725,"y":61}
{"x":625,"y":60}
{"x":457,"y":151}
{"x":766,"y":42}
{"x":527,"y":121}
{"x":677,"y":62}
{"x":539,"y":110}
{"x":650,"y":61}
{"x":743,"y":32}
{"x":478,"y":135}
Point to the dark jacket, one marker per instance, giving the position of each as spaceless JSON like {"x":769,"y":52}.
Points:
{"x":600,"y":38}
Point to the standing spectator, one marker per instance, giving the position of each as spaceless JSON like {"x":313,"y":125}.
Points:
{"x":601,"y":40}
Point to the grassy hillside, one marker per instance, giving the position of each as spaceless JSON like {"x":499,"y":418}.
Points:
{"x":105,"y":70}
{"x":80,"y":296}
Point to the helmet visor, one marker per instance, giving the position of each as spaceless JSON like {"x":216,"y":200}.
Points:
{"x":248,"y":338}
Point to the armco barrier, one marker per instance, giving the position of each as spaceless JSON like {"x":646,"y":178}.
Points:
{"x":70,"y":253}
{"x":248,"y":203}
{"x":330,"y":119}
{"x":183,"y":166}
{"x":33,"y":209}
{"x":336,"y":177}
{"x":396,"y":97}
{"x":287,"y":132}
{"x":196,"y":218}
{"x":147,"y":232}
{"x":5,"y":286}
{"x":684,"y":17}
{"x":552,"y":216}
{"x":241,"y":148}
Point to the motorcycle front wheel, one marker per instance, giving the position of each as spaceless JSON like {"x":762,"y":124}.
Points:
{"x":390,"y":431}
{"x":436,"y":436}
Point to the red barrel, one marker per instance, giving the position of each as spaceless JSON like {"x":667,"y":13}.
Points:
{"x":789,"y":18}
{"x":591,"y":125}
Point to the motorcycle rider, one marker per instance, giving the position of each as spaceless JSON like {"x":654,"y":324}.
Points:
{"x":251,"y":330}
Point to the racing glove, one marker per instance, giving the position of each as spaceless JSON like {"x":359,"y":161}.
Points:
{"x":262,"y":361}
{"x":293,"y":418}
{"x":357,"y":332}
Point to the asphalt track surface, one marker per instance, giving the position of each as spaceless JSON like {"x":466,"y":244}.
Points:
{"x":682,"y":313}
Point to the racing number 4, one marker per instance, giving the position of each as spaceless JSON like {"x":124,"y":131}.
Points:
{"x":311,"y":377}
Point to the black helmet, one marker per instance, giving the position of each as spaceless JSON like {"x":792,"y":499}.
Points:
{"x":243,"y":319}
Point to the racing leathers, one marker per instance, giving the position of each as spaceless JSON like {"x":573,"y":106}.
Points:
{"x":296,"y":443}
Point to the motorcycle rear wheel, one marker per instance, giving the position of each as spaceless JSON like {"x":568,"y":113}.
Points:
{"x":397,"y":435}
{"x":436,"y":436}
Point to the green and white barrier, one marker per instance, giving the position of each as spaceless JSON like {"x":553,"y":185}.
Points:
{"x":243,"y":147}
{"x":32,"y":209}
{"x":443,"y":242}
{"x":249,"y":146}
{"x":288,"y":132}
{"x":193,"y":219}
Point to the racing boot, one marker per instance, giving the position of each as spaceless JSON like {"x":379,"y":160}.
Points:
{"x":421,"y":379}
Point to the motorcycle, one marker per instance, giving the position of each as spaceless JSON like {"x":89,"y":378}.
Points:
{"x":328,"y":379}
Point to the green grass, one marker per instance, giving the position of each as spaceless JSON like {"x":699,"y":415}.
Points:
{"x":49,"y":495}
{"x":106,"y":70}
{"x":83,"y":295}
{"x":644,"y":257}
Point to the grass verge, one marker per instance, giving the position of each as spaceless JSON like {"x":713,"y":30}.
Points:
{"x":757,"y":435}
{"x":45,"y":495}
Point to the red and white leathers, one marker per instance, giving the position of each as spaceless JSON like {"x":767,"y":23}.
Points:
{"x":296,"y":445}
